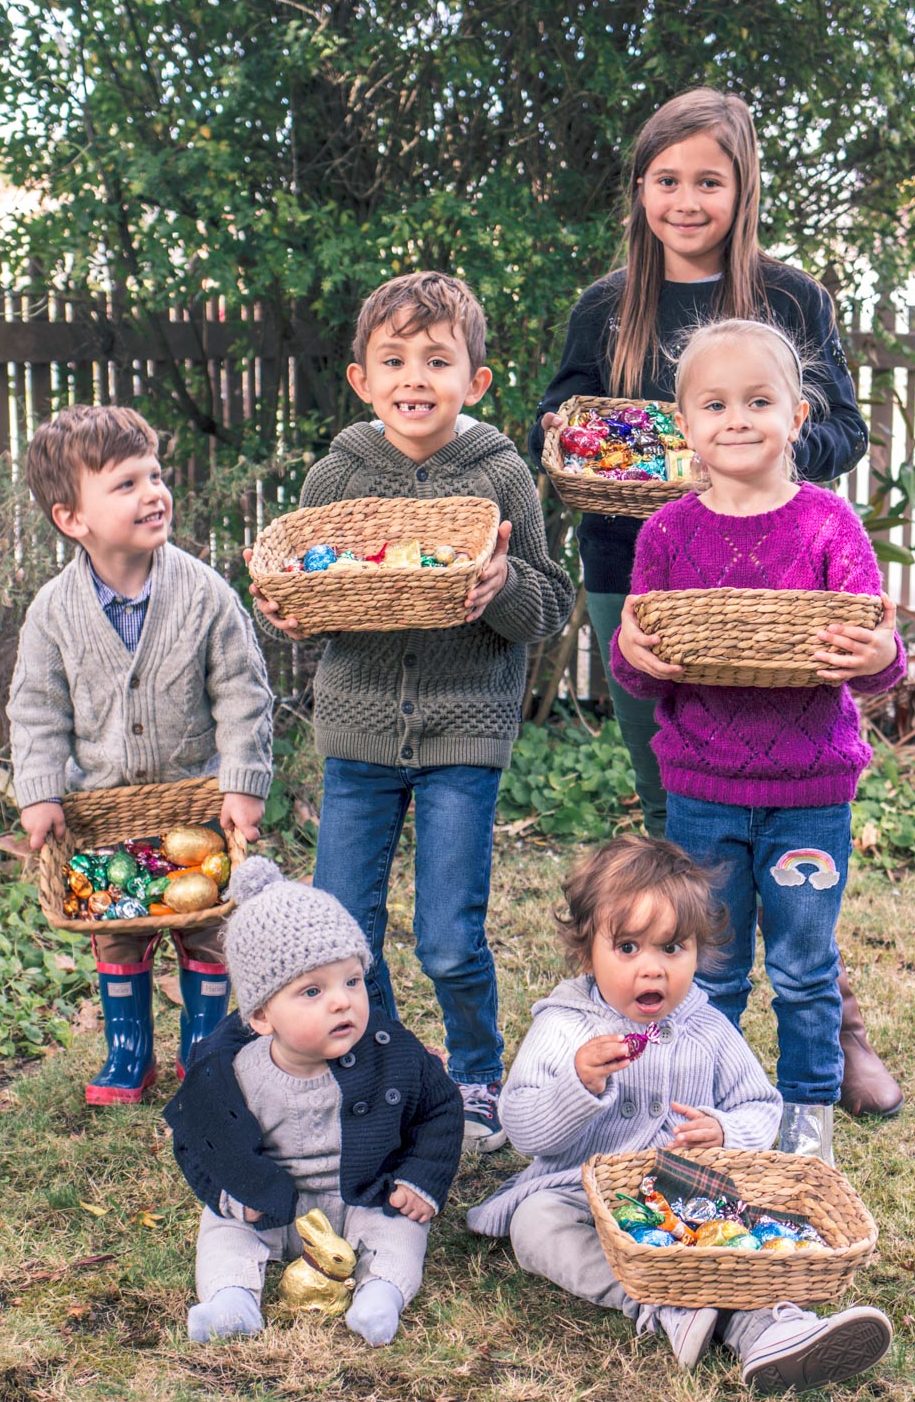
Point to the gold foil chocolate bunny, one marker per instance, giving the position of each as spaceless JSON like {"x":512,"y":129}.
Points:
{"x":322,"y":1279}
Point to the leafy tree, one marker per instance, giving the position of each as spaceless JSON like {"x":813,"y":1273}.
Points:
{"x":294,"y":154}
{"x":297,"y":153}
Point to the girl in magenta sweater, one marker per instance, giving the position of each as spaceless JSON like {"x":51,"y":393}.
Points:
{"x":761,"y":780}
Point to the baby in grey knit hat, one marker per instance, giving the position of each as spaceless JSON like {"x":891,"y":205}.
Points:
{"x":280,"y":930}
{"x":298,"y":961}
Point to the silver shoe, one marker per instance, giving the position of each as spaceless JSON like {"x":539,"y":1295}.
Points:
{"x":806,"y":1129}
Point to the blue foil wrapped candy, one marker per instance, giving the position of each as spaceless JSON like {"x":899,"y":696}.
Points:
{"x":652,"y":1236}
{"x":767,"y":1228}
{"x":127,"y":908}
{"x":317,"y":558}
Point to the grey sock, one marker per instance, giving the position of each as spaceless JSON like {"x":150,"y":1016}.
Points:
{"x":233,"y":1310}
{"x":375,"y":1312}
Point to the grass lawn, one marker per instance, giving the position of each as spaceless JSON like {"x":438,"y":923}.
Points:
{"x":97,"y":1228}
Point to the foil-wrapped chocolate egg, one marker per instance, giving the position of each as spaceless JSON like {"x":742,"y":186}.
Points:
{"x":191,"y":890}
{"x":317,"y":558}
{"x":188,"y":844}
{"x":122,"y":867}
{"x":217,"y":867}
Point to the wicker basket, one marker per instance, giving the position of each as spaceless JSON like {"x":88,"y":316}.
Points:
{"x":104,"y":817}
{"x":376,"y":600}
{"x":749,"y":637}
{"x":720,"y":1276}
{"x":606,"y":494}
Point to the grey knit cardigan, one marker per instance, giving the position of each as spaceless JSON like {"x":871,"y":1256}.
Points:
{"x":193,"y":699}
{"x":441,"y":695}
{"x":701,"y":1060}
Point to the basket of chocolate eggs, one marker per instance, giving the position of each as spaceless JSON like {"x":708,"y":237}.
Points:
{"x":376,"y":563}
{"x":795,"y":1229}
{"x":620,"y":457}
{"x":140,"y":858}
{"x":748,"y":637}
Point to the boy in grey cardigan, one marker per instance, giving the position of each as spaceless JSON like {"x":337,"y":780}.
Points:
{"x":641,"y":914}
{"x":137,"y":664}
{"x":429,"y":715}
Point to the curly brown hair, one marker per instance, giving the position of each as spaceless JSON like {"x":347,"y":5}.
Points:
{"x":602,"y":892}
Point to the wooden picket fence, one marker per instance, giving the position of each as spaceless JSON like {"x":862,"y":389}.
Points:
{"x":59,"y":347}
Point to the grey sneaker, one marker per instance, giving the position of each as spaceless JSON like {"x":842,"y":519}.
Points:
{"x":801,"y":1351}
{"x":689,"y":1331}
{"x":483,"y":1130}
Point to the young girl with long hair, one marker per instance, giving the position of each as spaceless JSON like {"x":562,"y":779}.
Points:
{"x":762,"y":779}
{"x":693,"y":256}
{"x":641,"y":916}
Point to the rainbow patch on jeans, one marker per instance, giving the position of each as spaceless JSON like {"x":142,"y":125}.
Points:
{"x":786,"y":871}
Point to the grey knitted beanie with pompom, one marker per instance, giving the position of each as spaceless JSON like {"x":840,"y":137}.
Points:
{"x":281,"y":929}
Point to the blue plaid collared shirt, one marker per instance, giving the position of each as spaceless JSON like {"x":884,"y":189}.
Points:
{"x":126,"y":616}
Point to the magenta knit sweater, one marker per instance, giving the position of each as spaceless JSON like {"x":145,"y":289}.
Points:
{"x":779,"y":747}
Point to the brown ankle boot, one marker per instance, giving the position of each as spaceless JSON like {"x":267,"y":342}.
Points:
{"x":867,"y":1086}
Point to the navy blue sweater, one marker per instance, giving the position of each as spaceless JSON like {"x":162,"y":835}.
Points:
{"x":400,"y":1118}
{"x":829,"y":445}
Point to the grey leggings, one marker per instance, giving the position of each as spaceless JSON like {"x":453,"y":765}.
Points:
{"x":230,"y":1252}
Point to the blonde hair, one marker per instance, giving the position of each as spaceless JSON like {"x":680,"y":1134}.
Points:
{"x":787,"y":359}
{"x":83,"y":437}
{"x":603,"y":891}
{"x":423,"y":299}
{"x":742,"y":293}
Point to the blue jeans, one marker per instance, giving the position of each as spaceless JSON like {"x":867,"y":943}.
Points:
{"x":795,"y":861}
{"x":362,"y":816}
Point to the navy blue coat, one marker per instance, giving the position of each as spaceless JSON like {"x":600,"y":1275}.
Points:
{"x":401,"y":1118}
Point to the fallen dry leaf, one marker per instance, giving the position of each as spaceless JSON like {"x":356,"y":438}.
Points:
{"x":87,"y":1017}
{"x":35,"y":1274}
{"x":94,"y":1208}
{"x":305,"y":812}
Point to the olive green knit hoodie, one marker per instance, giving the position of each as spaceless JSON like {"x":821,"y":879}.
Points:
{"x":440,"y":695}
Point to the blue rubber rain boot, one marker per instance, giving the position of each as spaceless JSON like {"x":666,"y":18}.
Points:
{"x":126,"y":991}
{"x":205,"y":1000}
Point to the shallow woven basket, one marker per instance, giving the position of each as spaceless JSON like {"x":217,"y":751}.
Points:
{"x":376,"y":600}
{"x":605,"y":494}
{"x":720,"y":1276}
{"x":748,"y":637}
{"x":105,"y":817}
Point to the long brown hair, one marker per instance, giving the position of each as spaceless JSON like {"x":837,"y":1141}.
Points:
{"x":726,"y":118}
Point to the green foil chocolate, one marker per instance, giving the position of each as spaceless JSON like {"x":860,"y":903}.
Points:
{"x":122,"y":867}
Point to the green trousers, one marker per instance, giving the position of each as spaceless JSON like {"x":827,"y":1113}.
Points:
{"x":635,"y":717}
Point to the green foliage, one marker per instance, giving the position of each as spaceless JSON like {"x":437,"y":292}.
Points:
{"x":883,"y":814}
{"x":565,"y":783}
{"x":889,"y":507}
{"x":568,"y":783}
{"x":298,"y":154}
{"x":44,"y":974}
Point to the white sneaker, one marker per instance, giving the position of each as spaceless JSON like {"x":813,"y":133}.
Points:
{"x":689,"y":1331}
{"x":801,"y":1351}
{"x":483,"y":1130}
